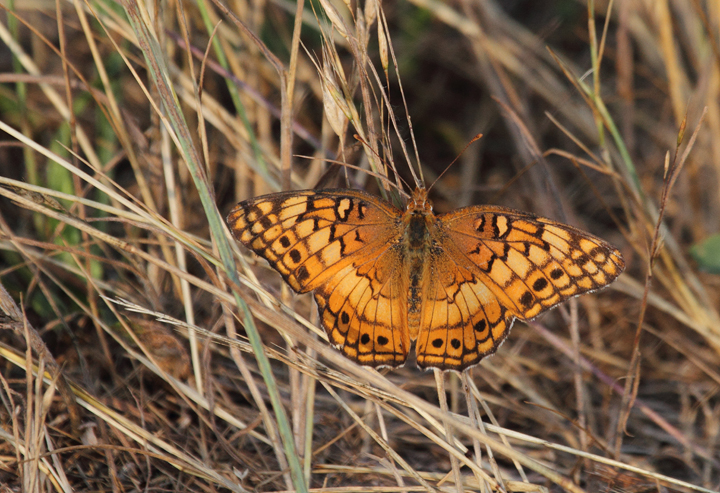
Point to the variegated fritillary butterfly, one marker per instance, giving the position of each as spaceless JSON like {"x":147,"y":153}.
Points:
{"x":454,"y":282}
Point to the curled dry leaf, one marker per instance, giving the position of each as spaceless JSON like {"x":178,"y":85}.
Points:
{"x":335,"y":18}
{"x":333,"y":103}
{"x":165,"y":348}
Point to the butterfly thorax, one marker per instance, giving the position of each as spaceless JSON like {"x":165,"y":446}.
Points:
{"x":417,"y":245}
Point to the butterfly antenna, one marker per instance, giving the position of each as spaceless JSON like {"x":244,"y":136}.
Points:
{"x":476,"y":138}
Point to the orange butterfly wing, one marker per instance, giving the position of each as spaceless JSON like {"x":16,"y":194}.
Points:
{"x":363,"y":308}
{"x":530,"y":261}
{"x":455,"y":282}
{"x":496,"y":265}
{"x":462,"y":319}
{"x":343,"y":244}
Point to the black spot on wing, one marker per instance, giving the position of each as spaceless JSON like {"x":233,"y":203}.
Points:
{"x":582,"y":260}
{"x":342,"y":246}
{"x":302,"y":274}
{"x":488,"y":267}
{"x":527,"y":299}
{"x":265,"y":222}
{"x":542,"y":243}
{"x":495,"y":228}
{"x":343,"y":208}
{"x":508,"y":227}
{"x":481,"y":224}
{"x":539,"y":284}
{"x":522,"y":247}
{"x":506,"y":250}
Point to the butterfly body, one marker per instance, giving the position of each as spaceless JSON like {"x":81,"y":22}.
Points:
{"x":453,"y":282}
{"x":417,"y":245}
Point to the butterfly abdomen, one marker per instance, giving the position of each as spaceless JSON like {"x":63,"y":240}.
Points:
{"x":417,"y":245}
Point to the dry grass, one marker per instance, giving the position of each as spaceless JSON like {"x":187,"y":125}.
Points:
{"x":174,"y":360}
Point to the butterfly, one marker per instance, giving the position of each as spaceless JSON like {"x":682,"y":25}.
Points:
{"x":454,"y":282}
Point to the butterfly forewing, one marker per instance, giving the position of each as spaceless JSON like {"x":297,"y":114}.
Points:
{"x":308,"y":236}
{"x":531,"y":263}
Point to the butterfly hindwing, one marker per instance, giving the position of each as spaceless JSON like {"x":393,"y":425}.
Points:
{"x":364,"y":310}
{"x":462,"y":320}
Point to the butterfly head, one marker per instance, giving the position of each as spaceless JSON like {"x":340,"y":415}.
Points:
{"x":419,"y":202}
{"x":418,"y":220}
